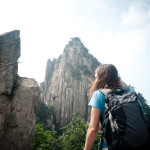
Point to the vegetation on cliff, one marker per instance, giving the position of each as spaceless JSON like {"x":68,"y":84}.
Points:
{"x":72,"y":137}
{"x":144,"y":104}
{"x":46,"y":139}
{"x":44,"y":113}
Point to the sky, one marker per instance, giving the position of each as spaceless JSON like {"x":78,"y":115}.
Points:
{"x":114,"y":31}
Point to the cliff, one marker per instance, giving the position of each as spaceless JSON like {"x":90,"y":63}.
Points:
{"x":18,"y":98}
{"x":66,"y":82}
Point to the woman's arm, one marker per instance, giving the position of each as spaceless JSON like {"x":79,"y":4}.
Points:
{"x":93,"y":128}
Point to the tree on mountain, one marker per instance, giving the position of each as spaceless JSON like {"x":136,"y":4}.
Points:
{"x":145,"y":106}
{"x":44,"y":113}
{"x":46,"y":139}
{"x":74,"y":135}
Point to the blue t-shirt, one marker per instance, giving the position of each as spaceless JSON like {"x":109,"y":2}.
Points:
{"x":98,"y":101}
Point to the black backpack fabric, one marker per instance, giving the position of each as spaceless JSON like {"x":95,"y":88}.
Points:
{"x":125,"y":126}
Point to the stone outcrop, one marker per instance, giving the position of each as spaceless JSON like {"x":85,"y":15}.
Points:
{"x":9,"y":54}
{"x":66,"y":82}
{"x":18,"y":98}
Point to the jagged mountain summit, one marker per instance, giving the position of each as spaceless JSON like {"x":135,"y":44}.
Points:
{"x":66,"y":82}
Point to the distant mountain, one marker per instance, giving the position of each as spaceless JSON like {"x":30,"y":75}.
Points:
{"x":66,"y":82}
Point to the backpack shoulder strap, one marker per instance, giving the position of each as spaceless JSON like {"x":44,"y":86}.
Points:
{"x":105,"y":91}
{"x":125,"y":88}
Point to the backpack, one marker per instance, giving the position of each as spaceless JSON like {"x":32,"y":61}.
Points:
{"x":125,"y":125}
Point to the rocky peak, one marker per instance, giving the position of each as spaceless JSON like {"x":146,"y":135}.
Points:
{"x":66,"y":81}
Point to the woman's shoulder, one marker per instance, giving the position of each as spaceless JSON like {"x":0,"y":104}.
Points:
{"x":97,"y":93}
{"x":97,"y":99}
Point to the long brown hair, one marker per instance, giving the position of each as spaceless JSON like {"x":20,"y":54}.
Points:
{"x":106,"y":76}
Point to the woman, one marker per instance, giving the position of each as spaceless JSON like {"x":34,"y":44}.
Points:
{"x":106,"y":77}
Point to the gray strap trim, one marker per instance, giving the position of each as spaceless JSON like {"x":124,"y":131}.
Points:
{"x":106,"y":106}
{"x":111,"y":122}
{"x":105,"y":91}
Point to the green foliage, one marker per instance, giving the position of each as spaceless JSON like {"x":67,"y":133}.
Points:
{"x":73,"y":137}
{"x":76,"y":74}
{"x":144,"y":104}
{"x":96,"y":63}
{"x":75,"y":39}
{"x":48,"y":61}
{"x":45,"y":139}
{"x":65,"y":50}
{"x":84,"y":69}
{"x":70,"y":43}
{"x":44,"y":112}
{"x":85,"y":50}
{"x":59,"y":58}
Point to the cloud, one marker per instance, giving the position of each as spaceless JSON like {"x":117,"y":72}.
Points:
{"x":138,"y":14}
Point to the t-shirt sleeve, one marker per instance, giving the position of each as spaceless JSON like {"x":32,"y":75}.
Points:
{"x":96,"y":100}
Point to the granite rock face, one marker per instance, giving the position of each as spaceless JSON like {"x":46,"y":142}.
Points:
{"x":18,"y":98}
{"x":66,"y":82}
{"x":9,"y":54}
